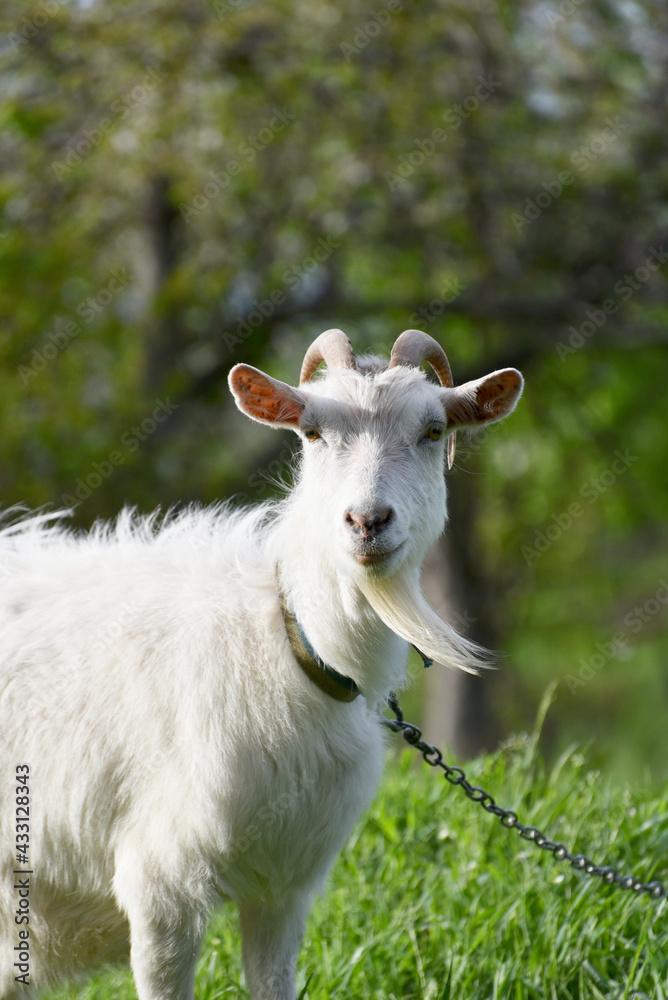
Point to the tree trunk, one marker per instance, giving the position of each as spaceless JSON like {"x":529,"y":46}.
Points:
{"x":457,"y":710}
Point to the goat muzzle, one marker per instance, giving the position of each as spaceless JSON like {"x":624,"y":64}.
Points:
{"x":369,"y":523}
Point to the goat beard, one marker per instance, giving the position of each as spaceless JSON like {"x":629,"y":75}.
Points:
{"x":400,"y":604}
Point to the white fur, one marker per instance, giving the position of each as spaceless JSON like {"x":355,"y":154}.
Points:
{"x":177,"y":752}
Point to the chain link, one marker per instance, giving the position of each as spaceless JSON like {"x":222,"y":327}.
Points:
{"x":456,"y":776}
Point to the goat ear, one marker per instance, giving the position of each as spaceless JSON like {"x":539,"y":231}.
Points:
{"x":484,"y":400}
{"x":265,"y":399}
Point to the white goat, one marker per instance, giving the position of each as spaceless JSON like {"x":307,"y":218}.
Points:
{"x":161,"y":702}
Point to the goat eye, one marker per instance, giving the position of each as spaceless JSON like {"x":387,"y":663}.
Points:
{"x":311,"y":434}
{"x":433,"y":433}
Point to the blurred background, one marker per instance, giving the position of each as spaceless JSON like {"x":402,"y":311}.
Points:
{"x":190,"y":183}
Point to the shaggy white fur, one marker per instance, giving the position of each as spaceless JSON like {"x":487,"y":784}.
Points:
{"x":177,"y":753}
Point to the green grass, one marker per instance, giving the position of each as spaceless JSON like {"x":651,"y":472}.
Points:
{"x":433,"y":899}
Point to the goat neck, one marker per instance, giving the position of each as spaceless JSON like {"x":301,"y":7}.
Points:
{"x":338,"y":620}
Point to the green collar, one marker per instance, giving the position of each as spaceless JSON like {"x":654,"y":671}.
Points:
{"x":327,"y":678}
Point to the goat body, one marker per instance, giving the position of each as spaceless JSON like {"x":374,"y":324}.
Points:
{"x":176,"y":752}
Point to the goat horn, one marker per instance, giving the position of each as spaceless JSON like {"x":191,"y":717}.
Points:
{"x":413,"y":348}
{"x":332,"y":347}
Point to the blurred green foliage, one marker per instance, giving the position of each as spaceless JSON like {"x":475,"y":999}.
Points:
{"x":186,"y":184}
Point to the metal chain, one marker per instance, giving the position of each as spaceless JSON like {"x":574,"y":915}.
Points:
{"x":456,"y":776}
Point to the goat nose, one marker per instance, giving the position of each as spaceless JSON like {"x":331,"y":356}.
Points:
{"x":368,"y":523}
